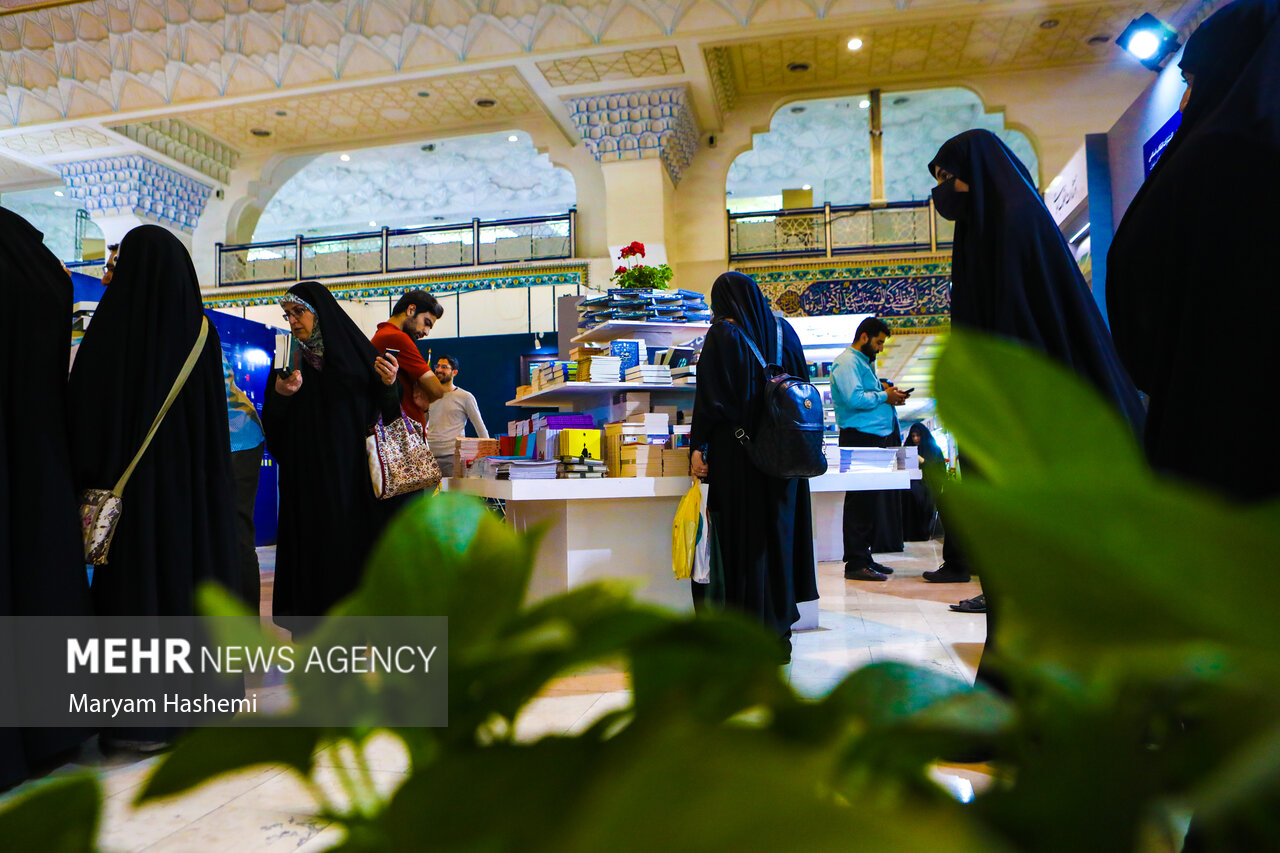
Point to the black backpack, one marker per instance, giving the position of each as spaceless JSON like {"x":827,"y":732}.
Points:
{"x":788,"y":430}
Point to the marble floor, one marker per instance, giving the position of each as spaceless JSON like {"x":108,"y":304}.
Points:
{"x":269,"y":809}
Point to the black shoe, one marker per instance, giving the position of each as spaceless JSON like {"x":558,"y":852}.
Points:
{"x":977,"y":604}
{"x":945,"y":575}
{"x":882,"y":569}
{"x":866,"y":573}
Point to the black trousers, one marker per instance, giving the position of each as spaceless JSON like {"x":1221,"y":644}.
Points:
{"x":246,"y":465}
{"x":863,"y":511}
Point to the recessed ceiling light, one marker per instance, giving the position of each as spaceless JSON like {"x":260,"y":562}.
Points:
{"x":344,"y":157}
{"x":807,"y":187}
{"x":373,"y":224}
{"x":58,"y":193}
{"x":258,"y":131}
{"x":797,"y":110}
{"x":1048,"y":23}
{"x":429,"y":147}
{"x":513,"y":138}
{"x":897,"y":102}
{"x":281,"y":113}
{"x":1099,"y":39}
{"x":485,"y":103}
{"x":864,"y":104}
{"x":424,"y":94}
{"x":797,"y":66}
{"x":854,"y":44}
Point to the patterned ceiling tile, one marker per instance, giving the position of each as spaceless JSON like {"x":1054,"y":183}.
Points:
{"x":624,"y":65}
{"x":185,"y":144}
{"x":58,"y":141}
{"x":359,"y":114}
{"x":904,"y":51}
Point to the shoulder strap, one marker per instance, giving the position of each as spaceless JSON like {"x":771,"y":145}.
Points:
{"x":777,"y":322}
{"x":752,"y":344}
{"x":187,"y":367}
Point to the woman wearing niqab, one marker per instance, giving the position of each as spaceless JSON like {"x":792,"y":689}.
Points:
{"x":1191,"y":271}
{"x":1013,"y":275}
{"x":41,"y":555}
{"x":329,"y":517}
{"x":177,"y":529}
{"x":919,"y":513}
{"x":763,"y":526}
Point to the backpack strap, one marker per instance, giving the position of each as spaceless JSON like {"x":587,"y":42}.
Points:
{"x":756,"y":350}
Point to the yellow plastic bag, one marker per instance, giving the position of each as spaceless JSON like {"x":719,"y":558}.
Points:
{"x":684,"y":532}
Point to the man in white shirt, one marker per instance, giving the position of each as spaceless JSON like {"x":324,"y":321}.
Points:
{"x":449,"y":415}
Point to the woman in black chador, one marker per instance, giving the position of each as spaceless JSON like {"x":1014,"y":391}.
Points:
{"x":41,"y":556}
{"x":1193,"y":263}
{"x":1013,"y":275}
{"x":919,"y":514}
{"x":316,"y":422}
{"x":178,"y":526}
{"x":763,"y":526}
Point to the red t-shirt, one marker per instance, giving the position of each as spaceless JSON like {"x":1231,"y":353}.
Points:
{"x":412,"y":365}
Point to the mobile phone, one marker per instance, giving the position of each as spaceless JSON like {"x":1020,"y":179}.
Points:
{"x":393,"y":352}
{"x":908,"y":391}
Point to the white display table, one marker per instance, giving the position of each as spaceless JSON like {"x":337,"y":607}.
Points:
{"x":620,"y":528}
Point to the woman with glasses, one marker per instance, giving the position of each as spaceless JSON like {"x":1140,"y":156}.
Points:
{"x":317,"y":414}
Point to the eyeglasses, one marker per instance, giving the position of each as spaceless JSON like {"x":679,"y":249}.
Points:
{"x":295,"y":315}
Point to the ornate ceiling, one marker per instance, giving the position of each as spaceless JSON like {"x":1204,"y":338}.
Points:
{"x":485,"y":176}
{"x":190,"y":81}
{"x":826,"y":144}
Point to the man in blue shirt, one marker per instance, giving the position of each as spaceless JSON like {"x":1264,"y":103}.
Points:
{"x":864,"y":412}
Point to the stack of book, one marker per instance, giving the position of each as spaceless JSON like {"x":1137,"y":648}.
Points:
{"x":641,"y":460}
{"x":630,"y":352}
{"x":555,"y":373}
{"x":605,"y":368}
{"x":675,"y":463}
{"x":657,"y":374}
{"x":515,"y":468}
{"x":467,"y":450}
{"x":580,"y":468}
{"x":583,"y":354}
{"x":619,"y":436}
{"x":638,"y":304}
{"x":687,"y":375}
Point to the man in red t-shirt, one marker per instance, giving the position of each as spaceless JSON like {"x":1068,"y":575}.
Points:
{"x":412,"y":318}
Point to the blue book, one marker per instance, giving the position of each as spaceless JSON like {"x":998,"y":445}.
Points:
{"x":628,"y":351}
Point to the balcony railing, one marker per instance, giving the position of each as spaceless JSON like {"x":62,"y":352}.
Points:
{"x":828,"y":231}
{"x":399,"y":250}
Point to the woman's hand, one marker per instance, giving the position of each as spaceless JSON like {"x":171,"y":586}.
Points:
{"x":288,"y":387}
{"x":696,"y":466}
{"x":387,"y":368}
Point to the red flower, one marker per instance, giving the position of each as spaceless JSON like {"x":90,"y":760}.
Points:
{"x":619,"y":270}
{"x":637,"y":248}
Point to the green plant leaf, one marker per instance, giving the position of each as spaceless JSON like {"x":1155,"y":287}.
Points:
{"x":1020,"y":417}
{"x":58,"y":815}
{"x":204,"y":754}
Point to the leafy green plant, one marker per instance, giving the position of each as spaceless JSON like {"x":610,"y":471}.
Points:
{"x":1134,"y":630}
{"x":640,"y":276}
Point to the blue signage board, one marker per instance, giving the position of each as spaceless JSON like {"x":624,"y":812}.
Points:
{"x":1154,"y":147}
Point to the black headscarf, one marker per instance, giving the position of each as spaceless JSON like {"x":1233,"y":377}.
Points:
{"x":329,"y":517}
{"x":41,"y":557}
{"x":1197,"y":235}
{"x":927,"y":446}
{"x":737,"y":297}
{"x":1012,"y":273}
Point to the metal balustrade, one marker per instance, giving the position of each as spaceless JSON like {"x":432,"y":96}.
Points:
{"x":476,"y":243}
{"x":832,"y":230}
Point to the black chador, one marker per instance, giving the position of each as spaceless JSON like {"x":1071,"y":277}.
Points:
{"x":329,"y":517}
{"x":1192,"y":275}
{"x":41,"y":557}
{"x":763,"y":526}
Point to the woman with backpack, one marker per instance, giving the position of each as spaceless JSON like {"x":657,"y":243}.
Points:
{"x":762,"y":525}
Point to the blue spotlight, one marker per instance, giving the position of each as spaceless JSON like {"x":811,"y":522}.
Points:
{"x":1149,"y":39}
